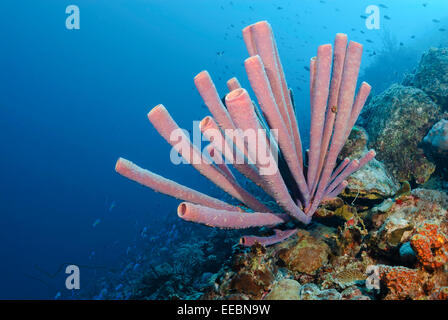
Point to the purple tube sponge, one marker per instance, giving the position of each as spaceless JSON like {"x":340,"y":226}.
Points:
{"x":334,"y":111}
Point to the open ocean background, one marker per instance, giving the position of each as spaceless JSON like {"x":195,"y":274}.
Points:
{"x":73,"y":101}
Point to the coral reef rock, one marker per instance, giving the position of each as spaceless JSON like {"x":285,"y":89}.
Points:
{"x":310,"y":291}
{"x":285,"y":289}
{"x":306,"y":255}
{"x":398,"y":221}
{"x":430,"y":245}
{"x":435,"y":143}
{"x":402,"y":283}
{"x":396,"y":121}
{"x":371,"y":181}
{"x":432,"y":75}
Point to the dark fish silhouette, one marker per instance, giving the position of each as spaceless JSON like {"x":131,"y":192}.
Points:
{"x":369,"y":41}
{"x":442,"y":29}
{"x":424,"y":4}
{"x":306,"y":68}
{"x":383,"y":6}
{"x":435,"y":20}
{"x":387,"y":17}
{"x":363,"y":16}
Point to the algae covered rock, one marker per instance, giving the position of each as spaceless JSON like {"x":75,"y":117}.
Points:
{"x":285,"y":289}
{"x":402,"y":283}
{"x":253,"y":273}
{"x":371,"y":181}
{"x":438,"y":197}
{"x":397,"y":221}
{"x":396,"y":121}
{"x":432,"y":75}
{"x":356,"y":144}
{"x":328,"y":207}
{"x":305,"y":255}
{"x":435,"y":143}
{"x":345,"y":271}
{"x":396,"y":230}
{"x":310,"y":291}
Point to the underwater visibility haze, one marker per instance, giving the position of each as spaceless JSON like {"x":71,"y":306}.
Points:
{"x":342,"y":116}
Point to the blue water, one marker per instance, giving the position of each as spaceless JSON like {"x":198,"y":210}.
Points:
{"x":73,"y":101}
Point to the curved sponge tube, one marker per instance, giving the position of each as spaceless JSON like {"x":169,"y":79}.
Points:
{"x":226,"y":219}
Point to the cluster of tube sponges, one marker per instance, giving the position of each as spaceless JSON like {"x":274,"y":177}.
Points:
{"x":299,"y":191}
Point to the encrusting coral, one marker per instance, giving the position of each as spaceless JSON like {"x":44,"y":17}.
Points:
{"x":298,"y":187}
{"x":430,"y":245}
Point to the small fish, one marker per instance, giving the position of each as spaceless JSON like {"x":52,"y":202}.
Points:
{"x":386,"y":17}
{"x":401,"y":44}
{"x":279,"y":8}
{"x":57,"y":296}
{"x":435,"y":20}
{"x":219,"y":53}
{"x":442,"y":29}
{"x":97,"y":221}
{"x":369,"y":41}
{"x":424,"y":4}
{"x":136,"y":266}
{"x":412,"y":37}
{"x":383,"y":6}
{"x":362,"y":31}
{"x":92,"y":254}
{"x":363,"y":16}
{"x":103,"y":292}
{"x":306,"y":68}
{"x":112,"y":206}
